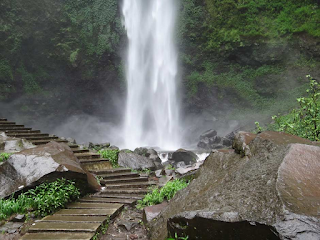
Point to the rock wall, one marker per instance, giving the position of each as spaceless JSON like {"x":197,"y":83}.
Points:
{"x":276,"y":186}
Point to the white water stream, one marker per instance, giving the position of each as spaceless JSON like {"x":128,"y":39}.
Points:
{"x":152,"y":111}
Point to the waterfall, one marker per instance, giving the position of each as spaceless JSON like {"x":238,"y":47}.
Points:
{"x":152,"y":111}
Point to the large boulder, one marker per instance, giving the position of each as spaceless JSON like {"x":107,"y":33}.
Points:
{"x":12,"y":145}
{"x":135,"y":161}
{"x":182,"y":155}
{"x":46,"y":163}
{"x":275,"y":189}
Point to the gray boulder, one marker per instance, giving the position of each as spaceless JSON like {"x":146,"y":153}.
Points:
{"x":274,"y":188}
{"x":34,"y":166}
{"x":135,"y":161}
{"x":185,"y":156}
{"x":12,"y":145}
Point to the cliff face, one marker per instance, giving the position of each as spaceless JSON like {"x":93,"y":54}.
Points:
{"x":65,"y":56}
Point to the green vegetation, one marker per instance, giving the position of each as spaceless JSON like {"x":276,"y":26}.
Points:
{"x":165,"y":193}
{"x":112,"y":155}
{"x":233,"y":23}
{"x":4,"y":156}
{"x":43,"y":200}
{"x":178,"y":238}
{"x":305,"y":120}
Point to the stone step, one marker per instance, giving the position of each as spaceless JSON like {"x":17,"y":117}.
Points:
{"x":62,"y":218}
{"x":125,"y":180}
{"x":107,"y":200}
{"x":69,"y":227}
{"x":114,"y":170}
{"x":28,"y":135}
{"x":119,"y":175}
{"x":10,"y":125}
{"x":42,"y":142}
{"x":87,"y":155}
{"x":57,"y":235}
{"x":130,"y":185}
{"x":125,"y":191}
{"x":120,"y":196}
{"x":17,"y":131}
{"x":78,"y":150}
{"x":91,"y":205}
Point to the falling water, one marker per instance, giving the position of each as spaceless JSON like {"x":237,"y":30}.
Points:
{"x":152,"y":111}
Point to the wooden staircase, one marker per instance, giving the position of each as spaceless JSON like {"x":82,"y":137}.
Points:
{"x":82,"y":219}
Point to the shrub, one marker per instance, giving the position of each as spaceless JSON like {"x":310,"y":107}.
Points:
{"x":112,"y":155}
{"x":305,"y":120}
{"x":43,"y":200}
{"x":4,"y":156}
{"x":165,"y":193}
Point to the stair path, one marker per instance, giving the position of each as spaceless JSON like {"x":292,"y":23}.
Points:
{"x":82,"y":219}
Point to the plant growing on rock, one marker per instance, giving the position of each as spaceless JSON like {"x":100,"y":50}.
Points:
{"x":112,"y":155}
{"x":43,"y":200}
{"x":305,"y":120}
{"x":4,"y":156}
{"x":165,"y":193}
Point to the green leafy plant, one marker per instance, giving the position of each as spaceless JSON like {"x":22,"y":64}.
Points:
{"x":170,"y":167}
{"x":4,"y":156}
{"x":178,"y":238}
{"x":43,"y":200}
{"x":165,"y":193}
{"x":112,"y":155}
{"x":305,"y":120}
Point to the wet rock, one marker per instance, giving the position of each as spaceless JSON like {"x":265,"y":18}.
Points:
{"x":19,"y":218}
{"x":186,"y":169}
{"x":185,"y":156}
{"x":127,"y":225}
{"x":135,"y":161}
{"x":142,"y":151}
{"x":31,"y":167}
{"x":241,"y":142}
{"x":98,"y":146}
{"x":276,"y":187}
{"x":203,"y":225}
{"x":208,"y":134}
{"x":13,"y":145}
{"x":150,"y":213}
{"x":159,"y":173}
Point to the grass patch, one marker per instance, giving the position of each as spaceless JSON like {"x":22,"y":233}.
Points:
{"x":165,"y":193}
{"x":45,"y":199}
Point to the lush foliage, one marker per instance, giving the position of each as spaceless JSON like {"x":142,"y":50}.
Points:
{"x":4,"y":156}
{"x":165,"y":193}
{"x":232,"y":23}
{"x":305,"y":120}
{"x":43,"y":200}
{"x":111,"y":154}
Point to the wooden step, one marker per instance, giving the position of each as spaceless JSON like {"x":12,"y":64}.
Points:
{"x":125,"y":180}
{"x":15,"y":127}
{"x":91,"y":205}
{"x":130,"y":185}
{"x":42,"y":142}
{"x":87,"y":156}
{"x":119,"y":175}
{"x":62,"y":218}
{"x":7,"y":123}
{"x":73,"y":146}
{"x":57,"y":236}
{"x":63,"y":227}
{"x":112,"y":200}
{"x":124,"y":191}
{"x":78,"y":150}
{"x":18,"y":131}
{"x":3,"y":119}
{"x":114,"y":170}
{"x":28,"y":135}
{"x":119,"y":196}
